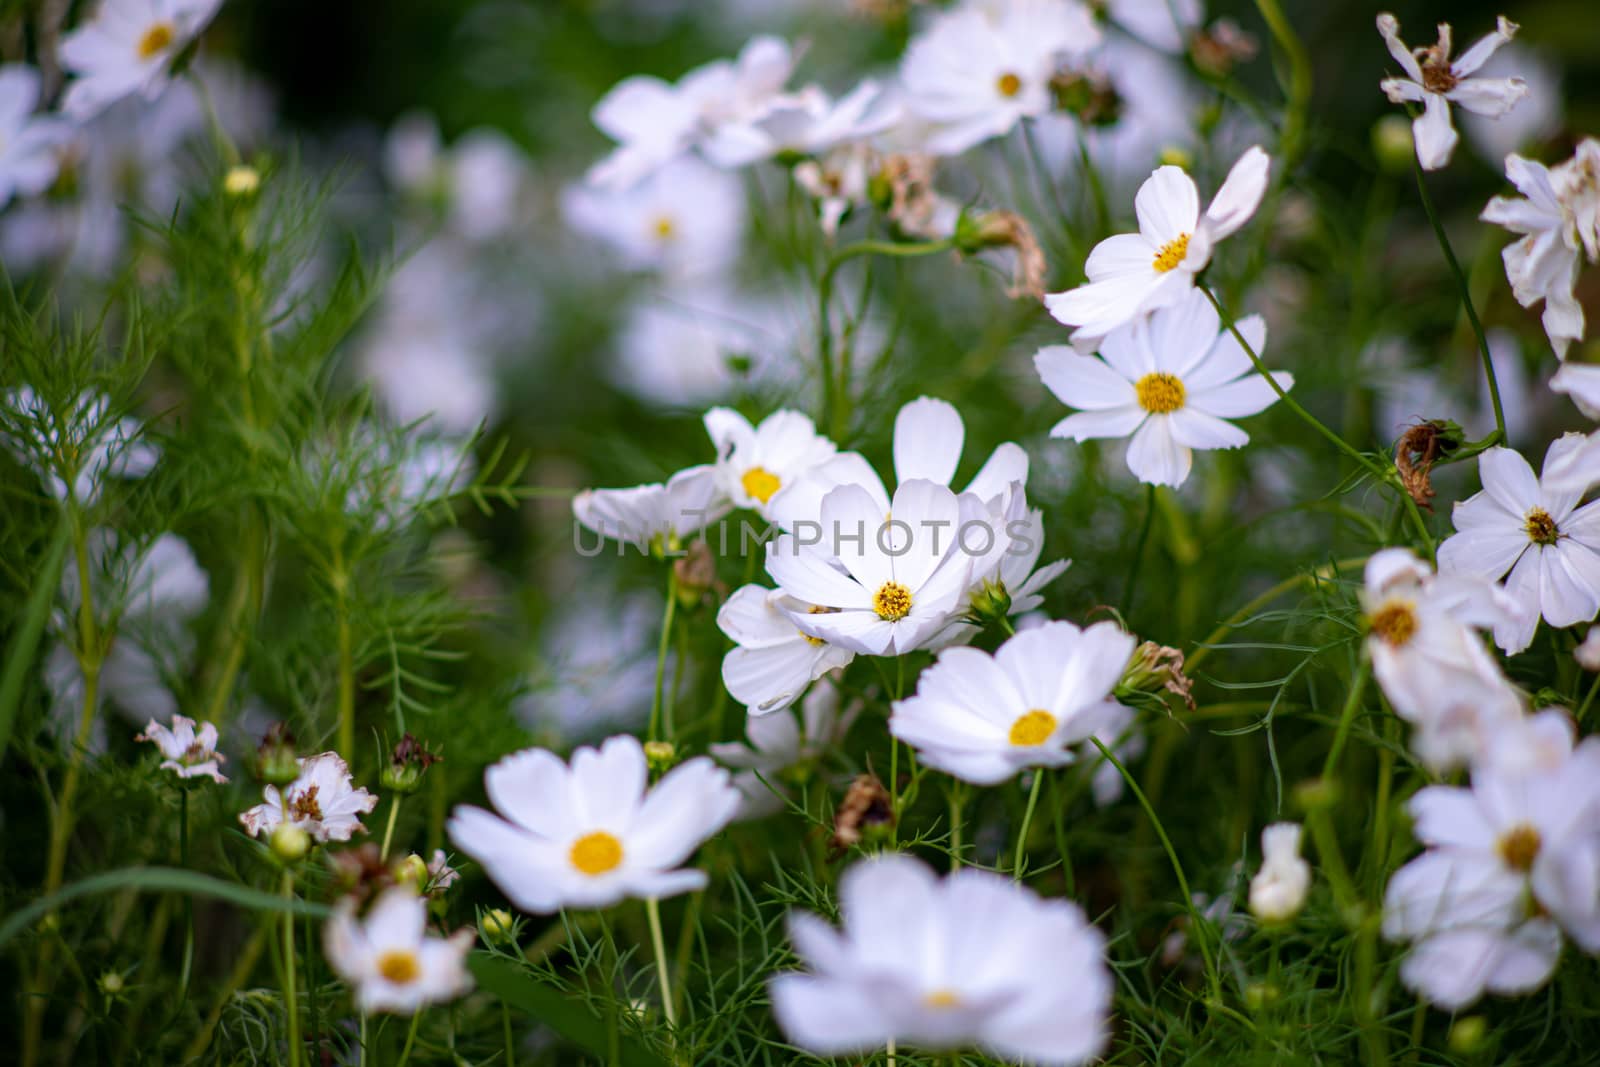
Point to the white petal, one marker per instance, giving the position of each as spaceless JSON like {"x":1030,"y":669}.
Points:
{"x":1084,"y":382}
{"x":1436,"y":138}
{"x":928,"y":435}
{"x":1240,"y":194}
{"x":1168,"y":206}
{"x":1154,"y":457}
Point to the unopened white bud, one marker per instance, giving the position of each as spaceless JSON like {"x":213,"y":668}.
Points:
{"x":1278,"y":891}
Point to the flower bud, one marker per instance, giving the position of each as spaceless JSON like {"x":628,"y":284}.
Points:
{"x":406,"y":765}
{"x":1278,"y":891}
{"x":112,"y":983}
{"x":413,"y":870}
{"x":695,"y":573}
{"x":1153,"y":668}
{"x":1005,"y":229}
{"x":241,"y":181}
{"x":1316,"y":794}
{"x":289,"y":843}
{"x":499,"y":926}
{"x":1392,"y":143}
{"x":661,"y":755}
{"x":1467,"y":1035}
{"x":991,"y":602}
{"x":276,"y":761}
{"x":1173,"y":155}
{"x":1087,"y":96}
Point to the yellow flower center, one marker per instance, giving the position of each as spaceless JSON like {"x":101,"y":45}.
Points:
{"x":157,"y":39}
{"x":1172,"y":253}
{"x":941,"y":999}
{"x":892,"y":601}
{"x":1519,"y":847}
{"x":1008,"y":85}
{"x":1033,"y":729}
{"x":817,"y":609}
{"x":761,"y":483}
{"x":1395,"y":622}
{"x":1541,"y":527}
{"x":596,"y":853}
{"x":399,"y":966}
{"x":1160,"y":393}
{"x":666,"y":229}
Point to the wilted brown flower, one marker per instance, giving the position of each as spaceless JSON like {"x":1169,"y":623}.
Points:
{"x":1220,"y":47}
{"x":1415,"y":454}
{"x":1155,"y":667}
{"x":866,"y":807}
{"x":1007,"y":229}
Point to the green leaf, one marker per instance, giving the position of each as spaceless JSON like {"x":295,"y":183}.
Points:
{"x":560,"y":1011}
{"x":160,"y":880}
{"x":19,"y":656}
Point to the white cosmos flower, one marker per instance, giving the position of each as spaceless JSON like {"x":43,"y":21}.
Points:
{"x":839,"y":180}
{"x":1164,"y":24}
{"x":1588,"y":652}
{"x":1581,"y":382}
{"x":591,"y":834}
{"x":388,"y":957}
{"x":1435,"y":82}
{"x":1510,"y":862}
{"x":902,"y":577}
{"x":984,"y":718}
{"x":775,"y":743}
{"x":1577,"y":468}
{"x":479,"y":181}
{"x":755,"y":462}
{"x":1428,"y":658}
{"x":979,"y":70}
{"x":1543,"y":264}
{"x":186,"y":752}
{"x":686,"y":218}
{"x":1132,"y":273}
{"x":1278,"y":891}
{"x":714,"y":107}
{"x":322,"y":801}
{"x":1029,"y":982}
{"x":30,"y":145}
{"x":658,"y":516}
{"x":40,"y":436}
{"x":128,"y":47}
{"x":810,"y":121}
{"x":774,"y":660}
{"x":1536,"y":531}
{"x":1168,"y":380}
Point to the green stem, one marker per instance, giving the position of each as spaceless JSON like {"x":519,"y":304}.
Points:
{"x":388,"y":831}
{"x":1588,"y":699}
{"x":1209,"y":642}
{"x":1298,"y":92}
{"x":188,"y":901}
{"x":956,"y":796}
{"x":1132,"y":583}
{"x":1466,"y":300}
{"x":1352,"y":703}
{"x":1027,"y":821}
{"x":1197,"y":921}
{"x":659,"y":702}
{"x":652,"y":909}
{"x":290,"y":999}
{"x":411,"y":1037}
{"x":505,"y":1025}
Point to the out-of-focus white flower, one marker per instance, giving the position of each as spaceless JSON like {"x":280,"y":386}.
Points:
{"x":755,"y":462}
{"x":479,"y":181}
{"x":1132,"y":273}
{"x":389,"y":959}
{"x":1550,"y":545}
{"x":1537,"y":118}
{"x":322,"y":801}
{"x":907,"y":968}
{"x":186,"y":752}
{"x":979,"y":70}
{"x":597,"y":664}
{"x":404,"y":477}
{"x":658,"y":516}
{"x":1577,"y":468}
{"x":1557,"y":220}
{"x":74,"y":450}
{"x":30,"y":145}
{"x":1428,"y":660}
{"x":690,"y":346}
{"x":1163,"y":24}
{"x":1169,"y":380}
{"x":774,"y":743}
{"x":1435,"y":82}
{"x":902,"y":579}
{"x":1509,"y":864}
{"x":1588,"y":653}
{"x":1121,"y":733}
{"x":984,"y":719}
{"x":714,"y":107}
{"x":810,"y":121}
{"x":1580,"y":382}
{"x":773,"y":659}
{"x":590,"y":835}
{"x":128,"y":47}
{"x":839,"y":181}
{"x":1278,"y":891}
{"x":685,"y":218}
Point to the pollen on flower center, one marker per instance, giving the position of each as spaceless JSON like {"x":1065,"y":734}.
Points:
{"x":760,"y":483}
{"x":1437,"y":77}
{"x":1008,"y":85}
{"x":892,"y":601}
{"x":596,"y":853}
{"x":1519,"y":847}
{"x":305,"y":806}
{"x":941,"y":999}
{"x":1032,"y":729}
{"x":1395,"y":622}
{"x":1541,"y":527}
{"x":665,"y":228}
{"x":399,"y":966}
{"x":1160,"y":393}
{"x":1172,"y":253}
{"x":157,"y":39}
{"x":816,"y":609}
